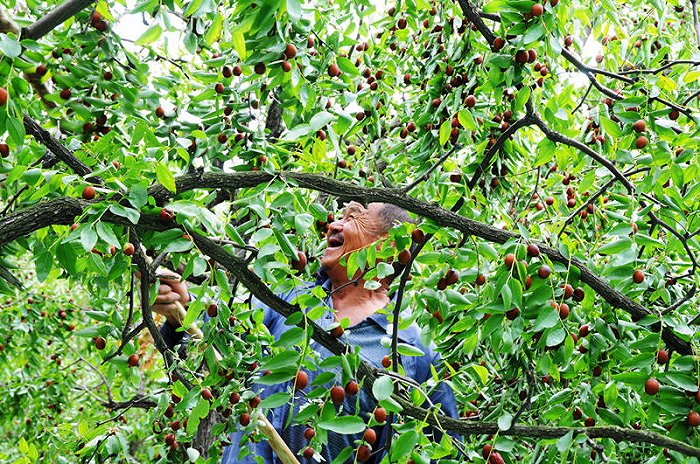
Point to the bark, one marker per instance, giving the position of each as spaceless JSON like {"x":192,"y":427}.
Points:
{"x":53,"y":18}
{"x":204,"y":437}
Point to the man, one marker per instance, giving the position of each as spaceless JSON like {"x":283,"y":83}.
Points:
{"x":359,"y":227}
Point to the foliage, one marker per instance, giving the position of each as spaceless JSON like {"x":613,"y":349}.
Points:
{"x":499,"y":129}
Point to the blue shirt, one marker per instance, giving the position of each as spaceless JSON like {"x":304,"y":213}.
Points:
{"x":366,"y":335}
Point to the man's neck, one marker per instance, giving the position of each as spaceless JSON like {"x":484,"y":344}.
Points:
{"x":355,"y":302}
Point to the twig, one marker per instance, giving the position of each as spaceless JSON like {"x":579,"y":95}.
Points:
{"x":147,"y":277}
{"x":94,"y":368}
{"x":670,"y":64}
{"x":588,"y":70}
{"x":585,"y":95}
{"x":692,"y":96}
{"x":13,"y":199}
{"x":354,"y":281}
{"x":527,"y":403}
{"x":585,"y":204}
{"x":486,"y":161}
{"x":558,"y":137}
{"x":126,"y":337}
{"x":677,"y":304}
{"x":54,"y":146}
{"x":432,"y":168}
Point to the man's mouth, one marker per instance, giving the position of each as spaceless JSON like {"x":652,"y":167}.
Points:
{"x":335,"y":240}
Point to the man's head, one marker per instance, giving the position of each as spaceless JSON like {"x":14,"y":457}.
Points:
{"x":358,"y":228}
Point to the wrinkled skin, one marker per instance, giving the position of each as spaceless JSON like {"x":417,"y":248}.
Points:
{"x":358,"y":228}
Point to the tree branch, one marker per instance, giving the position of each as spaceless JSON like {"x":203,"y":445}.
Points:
{"x":696,"y":22}
{"x":670,"y":64}
{"x":60,"y":152}
{"x":53,"y":18}
{"x":561,"y":138}
{"x":618,"y":434}
{"x":54,"y":211}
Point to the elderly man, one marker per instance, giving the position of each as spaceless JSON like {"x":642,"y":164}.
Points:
{"x":359,"y":227}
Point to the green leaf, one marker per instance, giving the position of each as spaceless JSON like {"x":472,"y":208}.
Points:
{"x":403,"y":446}
{"x":320,"y":120}
{"x":10,"y":47}
{"x":507,"y":295}
{"x":445,"y":130}
{"x":347,"y":66}
{"x":83,"y":428}
{"x":382,"y":388}
{"x":283,"y":360}
{"x":238,"y":41}
{"x":43,"y":264}
{"x":165,"y":177}
{"x":466,"y":120}
{"x":192,"y":7}
{"x":88,"y":238}
{"x":565,"y":441}
{"x":505,"y":421}
{"x":482,"y":372}
{"x":344,"y":425}
{"x":611,"y":127}
{"x":275,"y":400}
{"x":556,"y":336}
{"x":615,"y":247}
{"x":150,"y":35}
{"x":294,"y":10}
{"x":533,"y":34}
{"x":409,"y":350}
{"x":547,"y":318}
{"x":201,"y":410}
{"x":384,"y":270}
{"x":131,"y":214}
{"x":106,"y":234}
{"x":521,"y":98}
{"x":23,"y":446}
{"x":302,"y":222}
{"x":194,"y":309}
{"x":214,"y":30}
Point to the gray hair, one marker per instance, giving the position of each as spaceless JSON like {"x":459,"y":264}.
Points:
{"x":391,"y":215}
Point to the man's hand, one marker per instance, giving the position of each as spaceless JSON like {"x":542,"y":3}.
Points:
{"x":170,"y":291}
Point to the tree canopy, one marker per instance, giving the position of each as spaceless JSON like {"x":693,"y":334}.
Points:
{"x":547,"y":151}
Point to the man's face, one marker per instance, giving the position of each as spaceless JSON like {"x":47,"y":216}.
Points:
{"x":358,"y":228}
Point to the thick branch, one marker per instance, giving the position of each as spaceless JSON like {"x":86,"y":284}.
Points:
{"x":474,"y":15}
{"x":53,"y":18}
{"x":618,"y":434}
{"x":58,"y":208}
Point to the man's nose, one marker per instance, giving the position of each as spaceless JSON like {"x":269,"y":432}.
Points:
{"x":335,"y":227}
